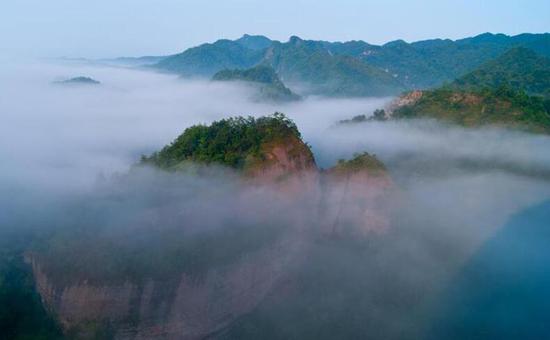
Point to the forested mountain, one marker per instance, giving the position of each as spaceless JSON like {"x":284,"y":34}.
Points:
{"x":512,"y":90}
{"x":254,"y":42}
{"x":519,"y":68}
{"x":234,"y":142}
{"x":503,"y":107}
{"x":310,"y":64}
{"x":354,"y":68}
{"x":263,"y":79}
{"x":207,"y":59}
{"x":431,"y":62}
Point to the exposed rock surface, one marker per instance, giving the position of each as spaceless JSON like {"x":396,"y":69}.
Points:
{"x":410,"y":98}
{"x":190,"y":308}
{"x":286,"y":164}
{"x":355,"y":196}
{"x":345,"y":200}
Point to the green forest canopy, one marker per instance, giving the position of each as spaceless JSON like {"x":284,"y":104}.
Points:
{"x":227,"y":142}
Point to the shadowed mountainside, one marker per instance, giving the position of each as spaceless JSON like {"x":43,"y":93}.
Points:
{"x":264,"y":80}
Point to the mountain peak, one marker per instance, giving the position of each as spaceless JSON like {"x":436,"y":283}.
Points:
{"x":394,"y":43}
{"x":295,"y":40}
{"x":489,"y":37}
{"x":254,"y":42}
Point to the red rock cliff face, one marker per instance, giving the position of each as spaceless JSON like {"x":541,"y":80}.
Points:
{"x":356,"y":197}
{"x":193,"y":308}
{"x":407,"y":99}
{"x":287,"y":165}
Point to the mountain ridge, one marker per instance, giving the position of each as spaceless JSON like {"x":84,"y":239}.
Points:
{"x":354,"y":68}
{"x":265,"y":81}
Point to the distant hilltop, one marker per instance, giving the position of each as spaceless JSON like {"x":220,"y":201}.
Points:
{"x":264,"y":79}
{"x":81,"y":80}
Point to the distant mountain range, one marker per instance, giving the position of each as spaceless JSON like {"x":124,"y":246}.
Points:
{"x":353,"y":68}
{"x":519,"y":68}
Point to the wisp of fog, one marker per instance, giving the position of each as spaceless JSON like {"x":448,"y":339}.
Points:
{"x":61,"y":148}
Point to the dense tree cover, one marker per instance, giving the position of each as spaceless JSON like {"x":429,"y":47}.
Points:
{"x":310,"y":62}
{"x":254,"y":42}
{"x":519,"y":68}
{"x":260,"y":74}
{"x":269,"y":85}
{"x":359,"y":162}
{"x":207,"y":59}
{"x":379,"y":115}
{"x":501,"y":106}
{"x":354,"y":68}
{"x":228,"y":142}
{"x":430,"y":63}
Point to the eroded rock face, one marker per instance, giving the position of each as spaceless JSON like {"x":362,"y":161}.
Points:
{"x":188,"y":308}
{"x":286,"y":165}
{"x":355,"y":196}
{"x":349,"y":198}
{"x":407,"y":99}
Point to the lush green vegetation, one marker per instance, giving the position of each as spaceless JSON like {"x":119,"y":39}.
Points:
{"x":269,"y":85}
{"x":254,"y":42}
{"x":230,"y":142}
{"x":311,"y":63}
{"x":502,"y":106}
{"x":360,"y":162}
{"x":207,"y":59}
{"x":259,"y":74}
{"x":430,"y":63}
{"x":379,"y":115}
{"x":355,"y":68}
{"x":519,"y":69}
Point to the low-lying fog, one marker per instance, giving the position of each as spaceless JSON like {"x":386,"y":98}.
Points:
{"x":58,"y":140}
{"x":64,"y":137}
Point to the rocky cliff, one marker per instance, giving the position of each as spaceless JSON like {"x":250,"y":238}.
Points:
{"x":188,"y":308}
{"x":196,"y":302}
{"x":355,"y":196}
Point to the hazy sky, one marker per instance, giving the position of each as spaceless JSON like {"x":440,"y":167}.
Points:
{"x":106,"y":28}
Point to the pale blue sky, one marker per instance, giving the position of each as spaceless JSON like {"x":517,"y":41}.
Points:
{"x":107,"y":28}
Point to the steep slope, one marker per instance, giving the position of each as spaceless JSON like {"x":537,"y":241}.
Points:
{"x":509,"y":91}
{"x":309,"y":63}
{"x":254,"y":42}
{"x":195,"y":274}
{"x":352,"y":208}
{"x":207,"y":59}
{"x":518,"y":68}
{"x":188,"y":273}
{"x":430,"y":63}
{"x":498,"y":107}
{"x":263,"y":79}
{"x":354,"y":68}
{"x":238,"y":143}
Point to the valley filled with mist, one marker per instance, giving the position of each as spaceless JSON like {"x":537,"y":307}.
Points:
{"x":330,"y":243}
